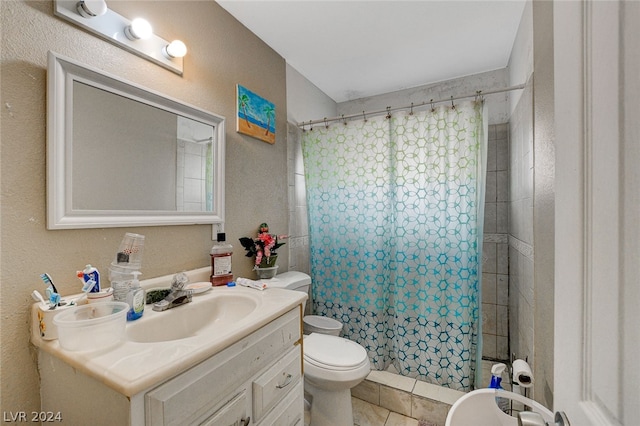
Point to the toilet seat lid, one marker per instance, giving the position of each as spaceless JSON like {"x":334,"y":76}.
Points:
{"x":322,"y":322}
{"x":333,"y":352}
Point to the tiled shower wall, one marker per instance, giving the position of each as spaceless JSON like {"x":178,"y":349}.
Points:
{"x":495,"y":265}
{"x":521,"y":247}
{"x":495,"y":276}
{"x":298,"y":224}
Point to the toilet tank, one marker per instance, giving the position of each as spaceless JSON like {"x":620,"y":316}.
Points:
{"x":292,"y":280}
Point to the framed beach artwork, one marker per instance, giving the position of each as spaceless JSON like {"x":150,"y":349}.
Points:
{"x":256,"y":116}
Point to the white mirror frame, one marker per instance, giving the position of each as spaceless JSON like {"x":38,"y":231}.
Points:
{"x":62,"y":72}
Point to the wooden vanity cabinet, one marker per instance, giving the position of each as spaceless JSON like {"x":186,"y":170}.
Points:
{"x":255,"y":381}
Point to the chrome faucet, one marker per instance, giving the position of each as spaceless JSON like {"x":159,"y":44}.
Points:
{"x":178,"y":296}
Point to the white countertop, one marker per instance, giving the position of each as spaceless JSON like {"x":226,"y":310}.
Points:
{"x":132,"y":367}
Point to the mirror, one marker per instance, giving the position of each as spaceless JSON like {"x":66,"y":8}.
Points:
{"x":122,"y":155}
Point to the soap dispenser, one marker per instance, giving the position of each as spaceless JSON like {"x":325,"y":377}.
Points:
{"x":135,"y":298}
{"x":496,"y":379}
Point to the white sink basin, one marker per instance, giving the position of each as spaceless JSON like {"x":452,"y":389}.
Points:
{"x":158,"y":344}
{"x":479,"y":408}
{"x":206,"y":313}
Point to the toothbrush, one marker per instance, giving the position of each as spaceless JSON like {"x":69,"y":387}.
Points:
{"x":86,"y":288}
{"x":38,"y":298}
{"x":52,"y":291}
{"x":54,"y":298}
{"x":46,"y":278}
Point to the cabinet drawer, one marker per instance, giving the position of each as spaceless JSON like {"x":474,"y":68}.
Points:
{"x":290,"y":411}
{"x":231,"y":414}
{"x":273,"y":385}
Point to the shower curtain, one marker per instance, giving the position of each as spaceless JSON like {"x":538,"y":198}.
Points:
{"x":395,"y":210}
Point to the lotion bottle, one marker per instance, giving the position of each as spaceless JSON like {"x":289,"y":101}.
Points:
{"x":221,"y":261}
{"x":135,"y":299}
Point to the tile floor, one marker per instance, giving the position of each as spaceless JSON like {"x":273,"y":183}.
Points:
{"x":388,"y":399}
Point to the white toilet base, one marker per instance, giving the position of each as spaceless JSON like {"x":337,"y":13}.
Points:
{"x":330,"y":408}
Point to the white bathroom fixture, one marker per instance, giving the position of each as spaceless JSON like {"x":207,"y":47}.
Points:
{"x":479,"y":408}
{"x":175,"y":49}
{"x":322,"y":325}
{"x":299,"y":281}
{"x":139,"y":29}
{"x":231,"y":356}
{"x":332,"y":364}
{"x":91,"y":8}
{"x":135,"y":36}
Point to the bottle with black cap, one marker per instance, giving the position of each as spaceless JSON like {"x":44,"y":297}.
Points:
{"x":221,"y":261}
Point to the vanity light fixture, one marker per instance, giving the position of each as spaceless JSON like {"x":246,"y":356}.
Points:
{"x":134,"y":36}
{"x":140,"y":29}
{"x":175,"y":49}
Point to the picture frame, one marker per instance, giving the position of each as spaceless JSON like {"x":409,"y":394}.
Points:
{"x":256,"y":116}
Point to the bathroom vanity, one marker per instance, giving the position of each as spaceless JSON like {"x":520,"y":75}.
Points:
{"x":230,"y":371}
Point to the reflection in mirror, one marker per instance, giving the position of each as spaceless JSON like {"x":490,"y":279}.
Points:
{"x":121,"y":155}
{"x":194,"y":166}
{"x":120,"y":131}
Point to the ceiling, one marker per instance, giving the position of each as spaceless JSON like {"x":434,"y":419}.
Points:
{"x":355,"y":49}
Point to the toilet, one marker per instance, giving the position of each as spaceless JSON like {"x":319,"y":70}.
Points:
{"x":332,"y":364}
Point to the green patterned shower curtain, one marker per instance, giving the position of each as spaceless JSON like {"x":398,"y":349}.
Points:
{"x":395,"y":216}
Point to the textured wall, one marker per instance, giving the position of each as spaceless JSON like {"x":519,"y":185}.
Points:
{"x":222,"y":53}
{"x":463,"y":86}
{"x":544,"y":200}
{"x":531,"y":221}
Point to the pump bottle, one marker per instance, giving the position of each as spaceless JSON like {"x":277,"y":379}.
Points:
{"x":135,"y":298}
{"x":221,"y":261}
{"x":496,"y":379}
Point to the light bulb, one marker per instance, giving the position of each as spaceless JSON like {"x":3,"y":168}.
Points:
{"x":139,"y":29}
{"x":91,"y":8}
{"x":175,"y":49}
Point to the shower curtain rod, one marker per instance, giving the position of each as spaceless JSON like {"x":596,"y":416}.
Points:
{"x":389,"y":110}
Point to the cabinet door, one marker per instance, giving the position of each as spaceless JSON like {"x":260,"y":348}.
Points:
{"x":233,"y":413}
{"x":188,"y":397}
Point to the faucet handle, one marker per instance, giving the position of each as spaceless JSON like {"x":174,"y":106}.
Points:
{"x":179,"y":281}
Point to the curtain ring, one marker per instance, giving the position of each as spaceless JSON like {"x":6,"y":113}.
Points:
{"x":432,"y":108}
{"x":452,"y":105}
{"x":388,"y":112}
{"x":343,"y":120}
{"x":364,"y":117}
{"x":411,"y":110}
{"x":310,"y":125}
{"x":326,"y":125}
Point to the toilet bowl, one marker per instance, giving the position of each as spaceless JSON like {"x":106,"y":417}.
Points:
{"x":332,"y":364}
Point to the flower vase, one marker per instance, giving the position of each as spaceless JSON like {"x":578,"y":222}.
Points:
{"x":266,"y":273}
{"x":267,"y":268}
